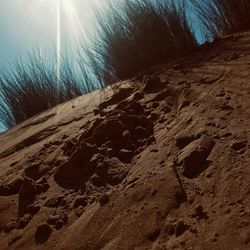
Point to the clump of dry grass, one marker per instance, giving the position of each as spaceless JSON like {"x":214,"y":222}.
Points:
{"x":134,"y":35}
{"x":223,"y":17}
{"x":32,"y":86}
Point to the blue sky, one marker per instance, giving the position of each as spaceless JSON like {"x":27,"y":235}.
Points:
{"x":31,"y":24}
{"x":19,"y":31}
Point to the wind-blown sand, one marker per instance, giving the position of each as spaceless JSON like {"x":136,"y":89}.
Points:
{"x":163,"y":162}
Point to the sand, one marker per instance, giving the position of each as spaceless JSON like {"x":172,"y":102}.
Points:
{"x":161,"y":161}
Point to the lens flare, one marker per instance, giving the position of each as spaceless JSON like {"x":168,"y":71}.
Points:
{"x":68,"y":24}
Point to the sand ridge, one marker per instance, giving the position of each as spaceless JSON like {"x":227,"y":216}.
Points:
{"x":160,"y":161}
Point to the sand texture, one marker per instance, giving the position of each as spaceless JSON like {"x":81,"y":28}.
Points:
{"x":161,"y":161}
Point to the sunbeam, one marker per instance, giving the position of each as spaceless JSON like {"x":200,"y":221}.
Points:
{"x":67,"y":21}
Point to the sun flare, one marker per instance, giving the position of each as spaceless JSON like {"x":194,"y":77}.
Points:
{"x":63,"y":13}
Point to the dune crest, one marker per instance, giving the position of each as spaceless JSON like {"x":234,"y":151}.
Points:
{"x":161,"y":162}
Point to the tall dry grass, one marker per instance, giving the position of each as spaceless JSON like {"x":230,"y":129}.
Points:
{"x":134,"y":35}
{"x":33,"y":85}
{"x":223,"y":17}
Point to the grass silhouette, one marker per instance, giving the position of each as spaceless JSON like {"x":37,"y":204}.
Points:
{"x":223,"y":17}
{"x":134,"y":35}
{"x":32,"y":86}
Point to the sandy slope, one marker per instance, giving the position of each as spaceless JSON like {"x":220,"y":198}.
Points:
{"x":163,"y":163}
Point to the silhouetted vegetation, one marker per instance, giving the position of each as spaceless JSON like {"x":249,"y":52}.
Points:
{"x":223,"y":17}
{"x":32,"y":86}
{"x":134,"y":35}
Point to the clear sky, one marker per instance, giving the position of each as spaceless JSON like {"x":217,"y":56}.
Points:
{"x":32,"y":24}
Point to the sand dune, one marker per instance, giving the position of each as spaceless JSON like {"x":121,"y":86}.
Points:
{"x":159,"y":162}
